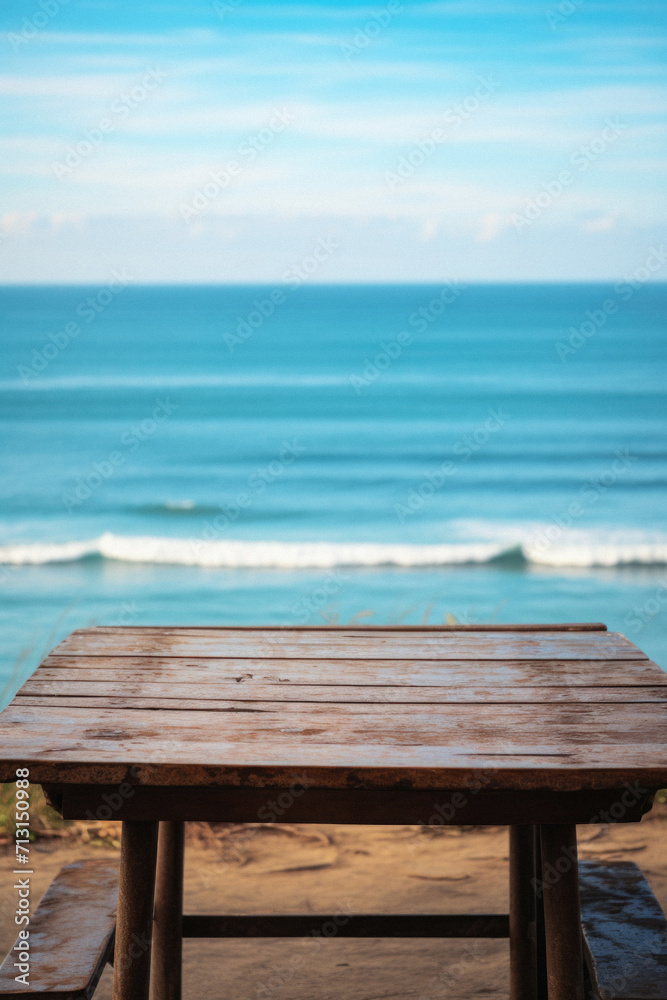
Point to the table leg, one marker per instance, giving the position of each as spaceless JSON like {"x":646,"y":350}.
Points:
{"x":540,"y":943}
{"x":562,"y":914}
{"x":134,"y":924}
{"x":523,"y":974}
{"x":166,"y":965}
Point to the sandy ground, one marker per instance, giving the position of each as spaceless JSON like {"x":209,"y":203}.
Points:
{"x":335,"y":869}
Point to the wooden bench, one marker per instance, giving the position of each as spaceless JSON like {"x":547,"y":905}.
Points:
{"x":625,"y":933}
{"x":71,"y":934}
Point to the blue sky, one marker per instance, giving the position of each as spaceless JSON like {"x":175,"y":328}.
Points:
{"x":415,"y":137}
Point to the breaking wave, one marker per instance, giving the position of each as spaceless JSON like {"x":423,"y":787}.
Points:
{"x":236,"y":554}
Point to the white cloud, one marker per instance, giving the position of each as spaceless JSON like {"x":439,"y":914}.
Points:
{"x":17,"y":223}
{"x":429,"y":230}
{"x":493,"y":223}
{"x":83,"y":39}
{"x":84,"y":85}
{"x":58,"y":220}
{"x":30,"y":145}
{"x":602,"y":224}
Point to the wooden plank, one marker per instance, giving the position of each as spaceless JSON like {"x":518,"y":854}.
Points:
{"x":525,"y":673}
{"x":209,"y":695}
{"x":436,"y":770}
{"x":271,"y":643}
{"x":192,"y":764}
{"x":432,"y":725}
{"x":625,"y":932}
{"x":605,"y":738}
{"x":169,"y":705}
{"x":71,"y":933}
{"x":521,"y":627}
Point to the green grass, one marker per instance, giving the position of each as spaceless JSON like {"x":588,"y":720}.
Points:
{"x":43,"y":819}
{"x":45,"y":822}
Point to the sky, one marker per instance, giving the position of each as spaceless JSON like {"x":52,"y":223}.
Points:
{"x":235,"y":140}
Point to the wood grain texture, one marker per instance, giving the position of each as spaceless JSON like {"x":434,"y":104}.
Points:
{"x":412,"y":673}
{"x":420,"y":708}
{"x":353,"y":644}
{"x":427,"y":744}
{"x":209,"y":697}
{"x":71,"y":933}
{"x":625,"y":932}
{"x":478,"y":726}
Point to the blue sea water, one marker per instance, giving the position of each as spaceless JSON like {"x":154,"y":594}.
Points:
{"x":379,"y":454}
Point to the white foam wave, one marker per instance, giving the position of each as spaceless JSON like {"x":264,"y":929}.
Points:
{"x":235,"y":554}
{"x":232,"y":554}
{"x":583,"y":556}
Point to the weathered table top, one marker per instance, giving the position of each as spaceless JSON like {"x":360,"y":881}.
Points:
{"x":550,"y":708}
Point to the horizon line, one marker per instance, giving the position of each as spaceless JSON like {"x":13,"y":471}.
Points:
{"x":327,"y":284}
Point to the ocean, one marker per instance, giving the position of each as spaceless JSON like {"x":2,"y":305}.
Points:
{"x":308,"y":454}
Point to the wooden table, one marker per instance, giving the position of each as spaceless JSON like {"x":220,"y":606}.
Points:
{"x":535,"y":727}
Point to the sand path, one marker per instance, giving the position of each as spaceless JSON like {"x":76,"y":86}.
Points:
{"x":342,"y":869}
